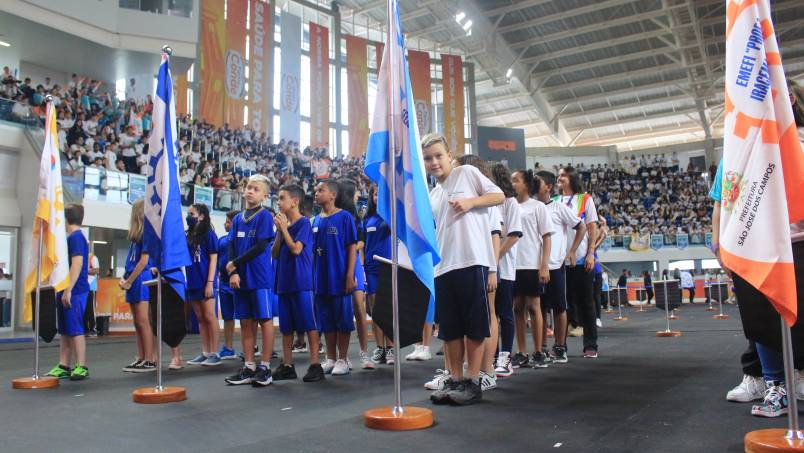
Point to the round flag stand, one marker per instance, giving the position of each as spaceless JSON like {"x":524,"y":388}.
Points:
{"x":667,"y":333}
{"x":641,"y":307}
{"x":619,"y":316}
{"x":721,"y":315}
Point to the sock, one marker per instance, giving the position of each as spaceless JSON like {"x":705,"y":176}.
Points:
{"x":251,"y":366}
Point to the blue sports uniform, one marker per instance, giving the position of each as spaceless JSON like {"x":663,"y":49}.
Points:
{"x":198,"y":270}
{"x":331,"y":237}
{"x":376,"y":235}
{"x":71,"y":320}
{"x":252,"y":300}
{"x":225,"y":293}
{"x":137,"y":292}
{"x":294,"y":283}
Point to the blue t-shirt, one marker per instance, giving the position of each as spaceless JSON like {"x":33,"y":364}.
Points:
{"x":77,"y":246}
{"x":331,"y":236}
{"x":198,"y":271}
{"x":223,"y":258}
{"x":377,"y":236}
{"x":295,"y":272}
{"x":715,"y":192}
{"x":247,"y":229}
{"x":135,"y":250}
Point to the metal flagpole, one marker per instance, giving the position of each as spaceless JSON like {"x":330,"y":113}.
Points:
{"x":619,"y":304}
{"x":397,"y":409}
{"x":666,"y":307}
{"x":793,"y":433}
{"x":38,"y":305}
{"x":719,"y":296}
{"x":159,"y":386}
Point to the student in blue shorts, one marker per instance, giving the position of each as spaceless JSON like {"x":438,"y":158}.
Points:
{"x":249,"y":270}
{"x":202,"y":282}
{"x":293,"y":255}
{"x":225,"y":293}
{"x":137,"y":297}
{"x":72,"y":302}
{"x":334,"y":255}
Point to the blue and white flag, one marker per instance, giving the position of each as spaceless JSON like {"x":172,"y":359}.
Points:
{"x":163,"y":237}
{"x":414,"y":216}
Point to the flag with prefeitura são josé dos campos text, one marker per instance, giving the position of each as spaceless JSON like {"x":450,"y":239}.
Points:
{"x":763,"y":164}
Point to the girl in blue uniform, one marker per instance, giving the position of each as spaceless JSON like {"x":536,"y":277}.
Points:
{"x":202,"y":285}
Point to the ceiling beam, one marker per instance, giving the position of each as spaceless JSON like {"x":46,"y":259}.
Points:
{"x":562,"y":15}
{"x":516,"y":6}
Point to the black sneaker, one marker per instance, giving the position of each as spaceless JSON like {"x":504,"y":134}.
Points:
{"x":538,"y":360}
{"x":378,"y":356}
{"x":546,"y":354}
{"x":465,"y":392}
{"x":274,"y":355}
{"x":315,"y":373}
{"x":242,"y":377}
{"x":440,"y":396}
{"x":144,"y":367}
{"x":285,"y":372}
{"x":262,"y":377}
{"x":560,"y":354}
{"x":519,"y":360}
{"x":440,"y":351}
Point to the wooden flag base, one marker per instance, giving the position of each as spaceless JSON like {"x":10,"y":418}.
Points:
{"x":150,"y":395}
{"x":668,"y":333}
{"x":384,"y":418}
{"x":29,"y":383}
{"x":771,"y":440}
{"x":620,"y":318}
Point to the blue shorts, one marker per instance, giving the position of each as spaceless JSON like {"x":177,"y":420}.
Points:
{"x":334,"y":313}
{"x":252,"y":304}
{"x":371,"y":282}
{"x":462,"y":304}
{"x":430,"y":317}
{"x":360,"y":277}
{"x":226,"y":297}
{"x":273,"y":299}
{"x":138,"y":292}
{"x":296,"y":312}
{"x":71,"y":320}
{"x":198,"y":293}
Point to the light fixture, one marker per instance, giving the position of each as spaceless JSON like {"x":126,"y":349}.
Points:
{"x":468,"y":25}
{"x":4,"y":44}
{"x":459,"y":17}
{"x":100,"y":242}
{"x":509,"y":73}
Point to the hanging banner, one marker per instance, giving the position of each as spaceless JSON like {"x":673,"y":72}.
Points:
{"x":260,"y":46}
{"x":682,"y":240}
{"x":656,"y":241}
{"x":180,"y":89}
{"x":235,"y":62}
{"x":419,"y":64}
{"x":357,"y":81}
{"x":452,"y":83}
{"x":319,"y":85}
{"x":290,"y":90}
{"x":212,"y":69}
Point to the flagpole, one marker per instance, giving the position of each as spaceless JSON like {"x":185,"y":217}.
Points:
{"x":719,"y":299}
{"x":159,"y":386}
{"x":667,"y":332}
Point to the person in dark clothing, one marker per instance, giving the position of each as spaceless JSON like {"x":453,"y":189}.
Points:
{"x":648,"y":283}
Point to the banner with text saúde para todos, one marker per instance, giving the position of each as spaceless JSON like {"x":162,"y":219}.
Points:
{"x":319,"y":85}
{"x":419,"y":64}
{"x":212,"y":41}
{"x":452,"y":84}
{"x":502,"y":144}
{"x":290,"y":84}
{"x":357,"y":82}
{"x":260,"y":46}
{"x":235,"y":62}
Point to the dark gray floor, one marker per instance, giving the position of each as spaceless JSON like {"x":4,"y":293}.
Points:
{"x":643,"y":394}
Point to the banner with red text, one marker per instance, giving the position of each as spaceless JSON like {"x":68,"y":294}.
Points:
{"x":452,"y":82}
{"x":235,"y":62}
{"x":319,"y":85}
{"x":260,"y":46}
{"x":419,"y":63}
{"x":212,"y":40}
{"x":357,"y":82}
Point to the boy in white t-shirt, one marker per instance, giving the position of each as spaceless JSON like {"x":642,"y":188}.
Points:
{"x":555,"y":296}
{"x":460,"y":205}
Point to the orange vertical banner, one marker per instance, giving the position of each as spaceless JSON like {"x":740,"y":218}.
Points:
{"x":319,"y":85}
{"x":452,"y":82}
{"x":419,"y":64}
{"x":260,"y":47}
{"x":235,"y":62}
{"x":357,"y":82}
{"x":212,"y":39}
{"x":180,"y":89}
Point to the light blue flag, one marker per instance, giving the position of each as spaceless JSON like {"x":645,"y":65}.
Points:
{"x":414,"y":216}
{"x":163,"y":237}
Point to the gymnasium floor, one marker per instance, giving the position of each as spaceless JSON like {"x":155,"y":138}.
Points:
{"x":644,"y":394}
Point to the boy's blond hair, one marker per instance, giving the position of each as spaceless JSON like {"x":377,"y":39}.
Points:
{"x":432,"y":138}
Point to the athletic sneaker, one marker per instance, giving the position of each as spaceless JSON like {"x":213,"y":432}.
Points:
{"x":487,"y":381}
{"x":144,"y":367}
{"x":262,"y":377}
{"x":212,"y":360}
{"x":227,"y":353}
{"x":201,"y":358}
{"x":389,"y":356}
{"x":349,"y":364}
{"x":285,"y":372}
{"x":465,"y":392}
{"x":320,"y":348}
{"x":599,"y":322}
{"x":440,"y":351}
{"x":440,"y":395}
{"x":439,"y":380}
{"x":520,"y":360}
{"x":775,"y":402}
{"x":503,"y":367}
{"x":299,"y":347}
{"x":590,"y":353}
{"x":132,"y":366}
{"x":242,"y":377}
{"x":274,"y":355}
{"x":548,"y":357}
{"x":79,"y":373}
{"x":560,"y":354}
{"x":420,"y":353}
{"x":750,"y":389}
{"x":341,"y":368}
{"x":538,"y":360}
{"x":315,"y":373}
{"x":61,"y":372}
{"x":576,"y":332}
{"x":365,"y":361}
{"x":378,"y":356}
{"x":328,"y":365}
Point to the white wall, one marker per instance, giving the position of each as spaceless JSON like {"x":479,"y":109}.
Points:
{"x":38,"y":73}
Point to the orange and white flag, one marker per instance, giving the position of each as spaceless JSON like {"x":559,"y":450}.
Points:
{"x":49,"y":219}
{"x":763,"y":164}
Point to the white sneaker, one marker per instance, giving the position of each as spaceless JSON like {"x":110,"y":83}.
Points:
{"x":750,"y":389}
{"x":389,"y":356}
{"x":414,"y":354}
{"x":328,"y":365}
{"x":349,"y":364}
{"x":503,"y":367}
{"x":599,"y":323}
{"x":438,"y":381}
{"x":424,"y":353}
{"x":341,"y":368}
{"x":365,"y":361}
{"x":487,"y":381}
{"x":799,"y":385}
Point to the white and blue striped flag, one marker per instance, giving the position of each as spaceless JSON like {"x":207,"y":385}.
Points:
{"x":414,"y":216}
{"x":163,"y":237}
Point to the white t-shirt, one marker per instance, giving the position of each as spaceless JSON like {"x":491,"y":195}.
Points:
{"x":496,"y":226}
{"x":463,"y":239}
{"x":535,"y":224}
{"x":590,"y":215}
{"x":512,"y":225}
{"x":564,"y":220}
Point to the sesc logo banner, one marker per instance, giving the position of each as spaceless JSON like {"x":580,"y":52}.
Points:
{"x":235,"y":75}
